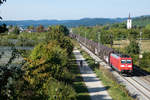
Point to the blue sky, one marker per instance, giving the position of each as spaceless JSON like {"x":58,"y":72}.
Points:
{"x":72,"y":9}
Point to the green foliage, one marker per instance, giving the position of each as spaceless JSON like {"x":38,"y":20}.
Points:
{"x":133,"y":48}
{"x":24,"y":43}
{"x":106,"y":36}
{"x":94,"y":33}
{"x":60,"y":29}
{"x":147,"y":27}
{"x":3,"y":28}
{"x":45,"y":68}
{"x":52,"y":56}
{"x":46,"y":74}
{"x":119,"y":25}
{"x":11,"y":36}
{"x":15,"y":30}
{"x":145,"y":61}
{"x":39,"y":28}
{"x":31,"y":27}
{"x":141,"y":21}
{"x":133,"y":34}
{"x":30,"y":39}
{"x":63,"y":29}
{"x":58,"y":90}
{"x":67,"y":44}
{"x":146,"y":32}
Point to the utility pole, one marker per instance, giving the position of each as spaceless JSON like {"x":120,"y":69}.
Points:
{"x":99,"y":35}
{"x":140,"y":46}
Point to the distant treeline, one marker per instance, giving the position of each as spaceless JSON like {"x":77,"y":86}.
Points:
{"x":141,"y":21}
{"x":137,"y":21}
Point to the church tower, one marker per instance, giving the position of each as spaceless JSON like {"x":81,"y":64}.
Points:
{"x":129,"y":22}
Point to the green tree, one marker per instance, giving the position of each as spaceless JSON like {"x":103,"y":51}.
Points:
{"x":145,"y":61}
{"x":133,"y":34}
{"x":16,"y":30}
{"x":30,"y":28}
{"x":46,"y":66}
{"x":63,"y":29}
{"x":3,"y":28}
{"x":66,"y":44}
{"x":48,"y":58}
{"x":133,"y":48}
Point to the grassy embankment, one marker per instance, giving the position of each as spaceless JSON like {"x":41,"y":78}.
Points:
{"x":116,"y":91}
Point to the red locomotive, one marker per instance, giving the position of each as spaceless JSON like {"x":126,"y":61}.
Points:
{"x":121,"y":63}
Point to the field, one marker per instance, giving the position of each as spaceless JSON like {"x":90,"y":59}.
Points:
{"x":123,"y":43}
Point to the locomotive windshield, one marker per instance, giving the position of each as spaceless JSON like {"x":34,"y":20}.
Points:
{"x":129,"y":61}
{"x":126,"y":61}
{"x":123,"y":61}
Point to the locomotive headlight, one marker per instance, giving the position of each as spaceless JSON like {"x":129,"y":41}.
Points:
{"x":129,"y":66}
{"x":122,"y":65}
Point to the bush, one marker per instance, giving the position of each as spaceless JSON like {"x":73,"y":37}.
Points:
{"x":3,"y":28}
{"x":48,"y":58}
{"x":145,"y":61}
{"x":67,"y":44}
{"x":133,"y":48}
{"x":15,"y":30}
{"x":56,"y":90}
{"x":46,"y":67}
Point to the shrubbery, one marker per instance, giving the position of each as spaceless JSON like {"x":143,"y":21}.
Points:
{"x":66,"y":44}
{"x":145,"y":61}
{"x":46,"y":73}
{"x":15,"y":30}
{"x":133,"y":48}
{"x":3,"y":28}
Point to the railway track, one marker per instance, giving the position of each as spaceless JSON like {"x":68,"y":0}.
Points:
{"x":139,"y":87}
{"x":141,"y":90}
{"x":144,"y":75}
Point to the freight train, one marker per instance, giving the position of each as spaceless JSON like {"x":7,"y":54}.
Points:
{"x":120,"y":62}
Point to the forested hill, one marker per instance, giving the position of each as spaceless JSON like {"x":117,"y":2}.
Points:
{"x":141,"y":21}
{"x":93,"y":21}
{"x":138,"y":21}
{"x":68,"y":23}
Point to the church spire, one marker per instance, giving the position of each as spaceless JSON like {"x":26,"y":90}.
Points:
{"x":129,"y":16}
{"x":129,"y":22}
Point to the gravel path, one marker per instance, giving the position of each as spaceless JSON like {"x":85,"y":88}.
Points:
{"x":96,"y":90}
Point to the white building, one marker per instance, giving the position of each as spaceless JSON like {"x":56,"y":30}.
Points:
{"x":129,"y":23}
